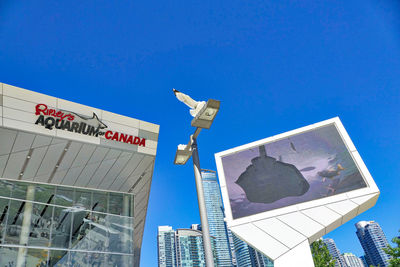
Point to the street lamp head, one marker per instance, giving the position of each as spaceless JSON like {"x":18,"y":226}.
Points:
{"x":182,"y":155}
{"x":206,"y":115}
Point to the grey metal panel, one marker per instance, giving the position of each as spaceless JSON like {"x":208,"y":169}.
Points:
{"x":58,"y":141}
{"x":100,"y":173}
{"x":148,"y":135}
{"x":23,"y":142}
{"x":41,"y":140}
{"x":115,"y":170}
{"x":1,"y":100}
{"x":58,"y":176}
{"x":84,"y":155}
{"x":129,"y":168}
{"x":118,"y":145}
{"x":14,"y":164}
{"x":86,"y":174}
{"x":98,"y":154}
{"x":34,"y":162}
{"x":70,"y":155}
{"x":112,"y":154}
{"x":7,"y":138}
{"x":3,"y":162}
{"x":50,"y":159}
{"x":133,"y":178}
{"x":72,"y":175}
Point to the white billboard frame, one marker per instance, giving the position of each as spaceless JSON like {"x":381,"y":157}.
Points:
{"x":362,"y":199}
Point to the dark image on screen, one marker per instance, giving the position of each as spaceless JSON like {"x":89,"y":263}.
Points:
{"x":303,"y":167}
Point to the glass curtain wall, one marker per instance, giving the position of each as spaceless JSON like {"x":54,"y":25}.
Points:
{"x":47,"y":225}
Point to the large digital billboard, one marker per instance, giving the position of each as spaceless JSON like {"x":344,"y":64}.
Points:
{"x":293,"y":169}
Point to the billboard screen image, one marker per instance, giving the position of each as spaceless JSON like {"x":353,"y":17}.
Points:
{"x":302,"y":167}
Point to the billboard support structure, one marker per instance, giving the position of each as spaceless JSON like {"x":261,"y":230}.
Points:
{"x":284,"y":192}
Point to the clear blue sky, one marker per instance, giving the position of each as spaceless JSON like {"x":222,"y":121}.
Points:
{"x":275,"y":66}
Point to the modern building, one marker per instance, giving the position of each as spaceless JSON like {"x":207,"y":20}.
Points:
{"x":74,"y":182}
{"x":364,"y":261}
{"x":247,"y":256}
{"x":373,"y":240}
{"x":166,"y":247}
{"x":352,"y":260}
{"x":215,"y":216}
{"x":334,"y":252}
{"x":183,"y":247}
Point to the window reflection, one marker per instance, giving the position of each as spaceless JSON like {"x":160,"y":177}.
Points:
{"x":115,"y":203}
{"x":59,"y":258}
{"x":14,"y":222}
{"x":19,"y":190}
{"x":74,"y":227}
{"x":36,"y":257}
{"x":40,"y":225}
{"x":4,"y":206}
{"x":99,"y":201}
{"x":61,"y":227}
{"x":64,"y":196}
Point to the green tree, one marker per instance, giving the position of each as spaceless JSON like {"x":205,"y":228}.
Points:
{"x":394,"y":252}
{"x":321,"y":255}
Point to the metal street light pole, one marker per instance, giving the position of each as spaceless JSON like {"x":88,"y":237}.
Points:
{"x":202,"y":206}
{"x":202,"y":120}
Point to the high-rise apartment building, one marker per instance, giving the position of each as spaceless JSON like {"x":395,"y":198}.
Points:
{"x":373,"y":240}
{"x":215,"y":216}
{"x":166,"y":247}
{"x":352,"y":260}
{"x":182,"y":248}
{"x":334,"y":252}
{"x":247,"y":256}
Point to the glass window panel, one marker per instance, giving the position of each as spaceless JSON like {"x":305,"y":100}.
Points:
{"x":99,"y":260}
{"x":80,"y":229}
{"x":79,"y":259}
{"x":36,"y":257}
{"x":8,"y":256}
{"x":99,"y":232}
{"x":59,"y":258}
{"x":40,"y":225}
{"x":83,"y":198}
{"x":115,"y":260}
{"x":121,"y":234}
{"x":5,"y":188}
{"x":64,"y":196}
{"x":61,"y":227}
{"x":4,"y":207}
{"x":14,"y":222}
{"x":115,"y":203}
{"x":19,"y":190}
{"x":99,"y":201}
{"x":45,"y":194}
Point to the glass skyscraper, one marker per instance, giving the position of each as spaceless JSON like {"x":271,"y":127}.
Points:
{"x":215,"y":215}
{"x":166,"y":246}
{"x":352,"y":260}
{"x":334,"y":252}
{"x":373,"y":240}
{"x":182,"y":248}
{"x":247,"y":256}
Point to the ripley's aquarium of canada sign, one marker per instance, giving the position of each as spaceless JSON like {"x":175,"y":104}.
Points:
{"x":72,"y":122}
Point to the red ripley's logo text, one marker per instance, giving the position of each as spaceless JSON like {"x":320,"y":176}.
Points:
{"x":70,"y":121}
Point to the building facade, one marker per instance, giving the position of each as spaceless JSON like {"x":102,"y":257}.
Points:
{"x":373,"y":240}
{"x":247,"y":256}
{"x":182,"y":248}
{"x":352,"y":260}
{"x":334,"y":252}
{"x":166,"y":247}
{"x":215,"y":216}
{"x":74,"y":182}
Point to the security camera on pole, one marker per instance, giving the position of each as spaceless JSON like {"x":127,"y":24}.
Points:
{"x":204,"y":114}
